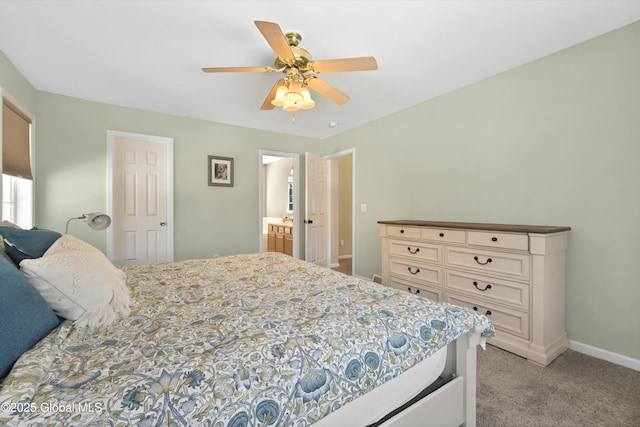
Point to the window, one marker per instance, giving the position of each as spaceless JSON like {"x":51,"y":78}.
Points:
{"x":17,"y":178}
{"x":17,"y":200}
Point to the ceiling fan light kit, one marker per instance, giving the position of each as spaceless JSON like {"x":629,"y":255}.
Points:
{"x":291,"y":93}
{"x":293,"y":96}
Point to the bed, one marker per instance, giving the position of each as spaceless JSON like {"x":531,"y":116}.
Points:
{"x":252,"y":339}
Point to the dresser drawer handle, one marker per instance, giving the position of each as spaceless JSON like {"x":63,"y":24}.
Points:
{"x":401,"y":231}
{"x":482,"y":263}
{"x":416,"y":272}
{"x":488,"y":313}
{"x":494,"y":239}
{"x":413,"y":252}
{"x":441,"y":234}
{"x":416,"y":292}
{"x":478,"y":288}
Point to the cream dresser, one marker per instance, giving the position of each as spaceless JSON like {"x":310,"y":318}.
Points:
{"x":515,"y":274}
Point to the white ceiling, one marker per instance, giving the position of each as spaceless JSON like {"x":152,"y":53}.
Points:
{"x":149,"y":54}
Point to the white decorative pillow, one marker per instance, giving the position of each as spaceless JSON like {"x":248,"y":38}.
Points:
{"x":79,"y":282}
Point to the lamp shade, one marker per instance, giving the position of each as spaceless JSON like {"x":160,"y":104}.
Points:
{"x":278,"y":101}
{"x":307,"y":102}
{"x":95,"y":220}
{"x":98,"y":221}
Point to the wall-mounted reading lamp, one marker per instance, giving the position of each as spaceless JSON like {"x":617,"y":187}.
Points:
{"x":95,"y":220}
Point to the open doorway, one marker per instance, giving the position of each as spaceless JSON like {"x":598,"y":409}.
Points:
{"x":341,"y":238}
{"x":278,"y":202}
{"x":342,"y":227}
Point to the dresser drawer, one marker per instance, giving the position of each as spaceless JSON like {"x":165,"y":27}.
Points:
{"x":415,"y":271}
{"x":400,"y":231}
{"x":491,"y":267}
{"x":499,"y":240}
{"x":419,"y":251}
{"x":504,"y":319}
{"x":476,"y":286}
{"x":417,"y":289}
{"x":510,"y":264}
{"x":444,"y":235}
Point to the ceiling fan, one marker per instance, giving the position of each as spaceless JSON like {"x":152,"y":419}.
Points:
{"x":290,"y":92}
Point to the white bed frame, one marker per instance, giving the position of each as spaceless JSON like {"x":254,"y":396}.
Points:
{"x":453,"y":404}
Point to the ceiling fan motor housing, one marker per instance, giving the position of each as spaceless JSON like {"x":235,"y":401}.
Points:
{"x":302,"y":56}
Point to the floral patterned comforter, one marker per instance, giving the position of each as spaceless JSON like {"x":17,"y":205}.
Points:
{"x":245,"y":340}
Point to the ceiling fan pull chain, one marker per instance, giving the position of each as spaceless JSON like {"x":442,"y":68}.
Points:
{"x":293,"y":117}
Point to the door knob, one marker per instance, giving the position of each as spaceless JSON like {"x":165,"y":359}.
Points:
{"x":163,"y":223}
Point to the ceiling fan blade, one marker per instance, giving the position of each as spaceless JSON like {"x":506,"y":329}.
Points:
{"x":238,"y":70}
{"x":325,"y":89}
{"x":365,"y":63}
{"x":274,"y":36}
{"x":267,"y":105}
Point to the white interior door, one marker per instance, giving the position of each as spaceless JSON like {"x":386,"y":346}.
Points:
{"x":316,"y":210}
{"x":141,"y":206}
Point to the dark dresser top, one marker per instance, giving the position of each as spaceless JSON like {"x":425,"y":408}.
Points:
{"x":513,"y":228}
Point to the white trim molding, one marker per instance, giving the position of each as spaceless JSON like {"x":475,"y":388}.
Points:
{"x":618,"y":359}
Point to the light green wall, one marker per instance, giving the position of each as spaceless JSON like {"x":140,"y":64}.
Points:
{"x":553,"y":142}
{"x":15,"y":83}
{"x":71,"y":165}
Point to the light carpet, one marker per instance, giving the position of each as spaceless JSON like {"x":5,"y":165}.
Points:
{"x":574,"y":390}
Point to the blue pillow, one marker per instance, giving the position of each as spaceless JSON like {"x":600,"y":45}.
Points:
{"x":25,"y":317}
{"x":27,"y":244}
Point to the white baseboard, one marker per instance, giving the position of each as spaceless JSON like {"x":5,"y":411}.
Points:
{"x":334,"y":265}
{"x":618,"y":359}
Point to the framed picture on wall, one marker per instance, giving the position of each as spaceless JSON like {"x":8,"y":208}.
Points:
{"x":221,"y":171}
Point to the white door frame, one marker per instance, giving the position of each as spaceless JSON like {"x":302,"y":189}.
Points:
{"x":333,"y":156}
{"x":111,"y":137}
{"x":297,"y":213}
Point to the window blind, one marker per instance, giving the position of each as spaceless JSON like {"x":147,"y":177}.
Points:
{"x":16,"y":157}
